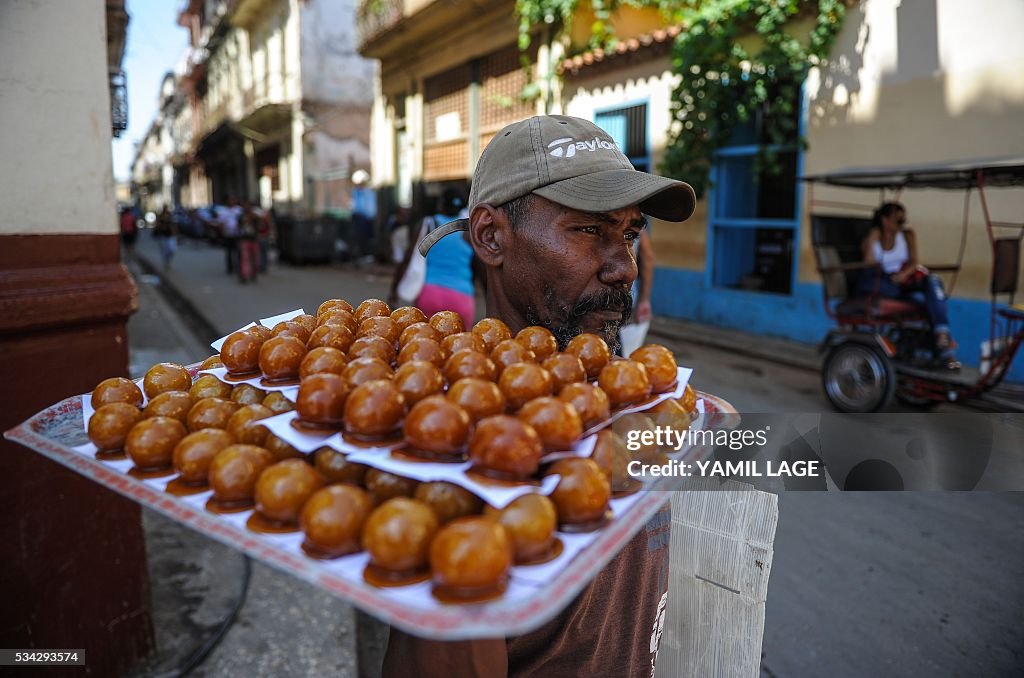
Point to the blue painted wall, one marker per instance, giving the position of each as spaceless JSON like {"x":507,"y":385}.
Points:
{"x":681,"y":293}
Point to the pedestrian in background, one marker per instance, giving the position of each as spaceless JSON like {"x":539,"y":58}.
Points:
{"x":165,"y":232}
{"x":228,"y":218}
{"x":364,"y":212}
{"x":398,"y":234}
{"x":448,"y":278}
{"x":129,"y":230}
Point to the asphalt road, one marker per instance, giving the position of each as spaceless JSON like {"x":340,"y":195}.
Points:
{"x":863,"y":584}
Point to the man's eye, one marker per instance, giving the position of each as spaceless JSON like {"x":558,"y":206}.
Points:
{"x":632,"y":235}
{"x":594,"y":230}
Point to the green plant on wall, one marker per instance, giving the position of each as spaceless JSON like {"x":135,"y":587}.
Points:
{"x":734,"y":60}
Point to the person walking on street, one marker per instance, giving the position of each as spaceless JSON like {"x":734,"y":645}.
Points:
{"x":264,"y":233}
{"x":555,"y":234}
{"x":129,"y":224}
{"x":165,"y":232}
{"x":228,"y":218}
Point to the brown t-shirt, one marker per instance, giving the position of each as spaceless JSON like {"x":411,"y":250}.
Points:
{"x":613,"y":628}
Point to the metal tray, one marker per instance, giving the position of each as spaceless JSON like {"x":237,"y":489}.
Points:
{"x":55,"y":431}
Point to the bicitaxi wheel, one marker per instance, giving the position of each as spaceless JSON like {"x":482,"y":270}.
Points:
{"x":858,"y":377}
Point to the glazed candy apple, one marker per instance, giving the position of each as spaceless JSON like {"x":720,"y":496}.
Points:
{"x":372,"y":347}
{"x":361,"y":370}
{"x":193,"y":453}
{"x":447,"y":322}
{"x":625,"y":382}
{"x":590,"y":401}
{"x":407,"y":315}
{"x":530,"y":522}
{"x":470,"y":559}
{"x":174,"y":404}
{"x":492,"y":331}
{"x":418,"y":330}
{"x":336,"y":468}
{"x":116,"y":390}
{"x":438,"y":427}
{"x":243,"y":425}
{"x":417,"y":379}
{"x":339,"y":337}
{"x":210,"y":413}
{"x":322,"y":359}
{"x":241,"y":353}
{"x":374,"y":410}
{"x":565,"y":368}
{"x":469,"y":363}
{"x":280,"y":358}
{"x":234,"y":471}
{"x":247,"y":394}
{"x":448,"y":501}
{"x":592,"y":351}
{"x":110,"y":424}
{"x":383,"y":486}
{"x":422,"y":349}
{"x":283,"y":488}
{"x":321,"y":400}
{"x":151,"y":442}
{"x":582,"y":494}
{"x":209,"y":386}
{"x":371,"y":308}
{"x":660,"y":365}
{"x":333,"y":519}
{"x":397,"y":536}
{"x":510,"y":352}
{"x":539,"y":340}
{"x":556,"y":422}
{"x":522,"y":382}
{"x":165,"y":377}
{"x":505,"y":447}
{"x":459,"y":341}
{"x":478,"y":397}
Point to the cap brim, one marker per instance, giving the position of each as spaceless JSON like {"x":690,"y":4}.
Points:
{"x":610,"y":190}
{"x":606,"y":191}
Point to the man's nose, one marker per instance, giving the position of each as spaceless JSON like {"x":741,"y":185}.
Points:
{"x":619,"y":268}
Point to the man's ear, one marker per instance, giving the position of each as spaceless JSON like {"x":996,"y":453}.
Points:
{"x":488,"y":234}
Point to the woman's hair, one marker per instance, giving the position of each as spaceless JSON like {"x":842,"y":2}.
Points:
{"x":886,"y":210}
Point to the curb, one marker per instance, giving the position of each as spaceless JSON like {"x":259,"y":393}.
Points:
{"x":197,"y":322}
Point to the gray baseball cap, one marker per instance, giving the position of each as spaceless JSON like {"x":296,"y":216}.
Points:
{"x":571,"y":162}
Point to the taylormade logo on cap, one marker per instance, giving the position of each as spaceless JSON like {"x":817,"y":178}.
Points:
{"x":569,"y":150}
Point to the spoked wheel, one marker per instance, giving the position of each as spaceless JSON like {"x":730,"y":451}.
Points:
{"x":858,"y":378}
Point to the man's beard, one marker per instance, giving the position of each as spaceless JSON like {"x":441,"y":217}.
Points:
{"x":564,"y":321}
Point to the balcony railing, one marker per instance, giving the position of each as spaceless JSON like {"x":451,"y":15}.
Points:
{"x":375,"y":16}
{"x":118,"y":103}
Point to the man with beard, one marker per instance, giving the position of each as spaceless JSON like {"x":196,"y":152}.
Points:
{"x":553,"y":212}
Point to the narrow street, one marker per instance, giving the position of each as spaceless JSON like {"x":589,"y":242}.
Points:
{"x":862,"y":584}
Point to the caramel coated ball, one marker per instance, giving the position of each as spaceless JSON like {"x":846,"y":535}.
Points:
{"x":338,"y":317}
{"x":173,"y":404}
{"x":492,"y":331}
{"x":192,"y":455}
{"x":469,"y":363}
{"x":448,"y":501}
{"x":374,"y":410}
{"x":460,"y":341}
{"x":530,"y":521}
{"x":279,"y":448}
{"x":116,"y":390}
{"x":338,"y":337}
{"x":565,"y":368}
{"x":625,"y":382}
{"x":506,"y":447}
{"x":332,"y":305}
{"x":612,"y":456}
{"x":290,"y":328}
{"x":522,"y":382}
{"x":398,"y":533}
{"x":556,"y":422}
{"x":243,"y":425}
{"x":210,"y":413}
{"x":380,"y":326}
{"x":247,"y":394}
{"x":372,"y":347}
{"x":407,"y":315}
{"x":592,"y":351}
{"x":260,"y":331}
{"x":283,"y":488}
{"x":418,"y":330}
{"x":689,"y":399}
{"x":336,"y":468}
{"x":383,"y":486}
{"x":538,"y":339}
{"x":241,"y":352}
{"x":447,"y":322}
{"x":209,"y":386}
{"x":660,"y":365}
{"x":435,"y":424}
{"x":371,"y":308}
{"x":165,"y":377}
{"x":211,"y":363}
{"x":422,"y":349}
{"x":470,"y":557}
{"x":306,"y":320}
{"x":281,"y":356}
{"x":321,"y":400}
{"x":333,"y":519}
{"x":582,"y":493}
{"x":417,"y":379}
{"x":110,"y":424}
{"x":151,"y":442}
{"x":278,"y":403}
{"x":510,"y":352}
{"x":590,"y":401}
{"x":322,"y":359}
{"x":234,"y":471}
{"x":480,"y":398}
{"x":362,"y":370}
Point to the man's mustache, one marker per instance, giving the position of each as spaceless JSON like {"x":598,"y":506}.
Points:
{"x":614,"y":299}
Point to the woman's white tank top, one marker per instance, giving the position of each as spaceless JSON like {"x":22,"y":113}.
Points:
{"x":892,"y":260}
